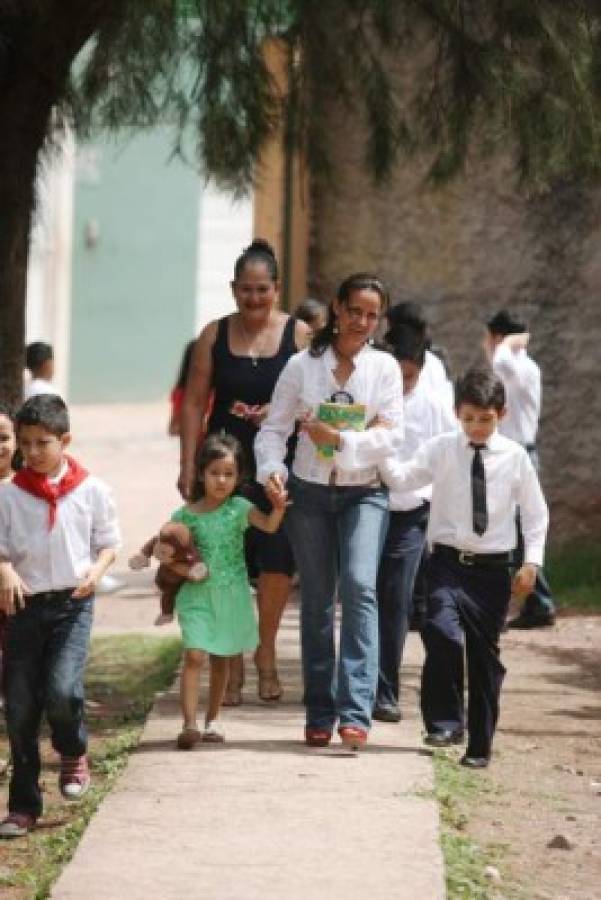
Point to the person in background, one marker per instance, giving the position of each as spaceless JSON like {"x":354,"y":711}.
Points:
{"x":39,"y":360}
{"x":313,"y":312}
{"x":435,"y":371}
{"x":426,"y":415}
{"x":239,"y":359}
{"x":506,"y":345}
{"x":479,"y":478}
{"x":338,"y":515}
{"x":179,"y":389}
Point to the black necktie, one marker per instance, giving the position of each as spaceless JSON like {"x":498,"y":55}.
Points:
{"x":479,"y":511}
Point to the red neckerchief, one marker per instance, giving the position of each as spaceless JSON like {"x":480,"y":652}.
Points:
{"x":41,"y":487}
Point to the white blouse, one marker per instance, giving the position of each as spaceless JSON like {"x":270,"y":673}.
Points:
{"x":305,"y":382}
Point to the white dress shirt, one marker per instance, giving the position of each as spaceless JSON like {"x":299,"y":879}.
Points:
{"x":434,"y":376}
{"x":511,"y":481}
{"x":38,"y":386}
{"x":52,"y":560}
{"x":426,"y":415}
{"x":305,"y":382}
{"x":521,"y":378}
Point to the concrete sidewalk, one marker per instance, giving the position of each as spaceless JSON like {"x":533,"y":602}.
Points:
{"x":262,"y":816}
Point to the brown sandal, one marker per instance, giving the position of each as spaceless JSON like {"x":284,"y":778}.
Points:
{"x":268,"y":685}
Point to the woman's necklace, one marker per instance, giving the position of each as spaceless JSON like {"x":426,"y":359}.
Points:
{"x":253,"y":349}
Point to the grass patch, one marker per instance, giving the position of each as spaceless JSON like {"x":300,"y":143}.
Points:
{"x":457,"y":790}
{"x":124,"y":674}
{"x":574,"y":573}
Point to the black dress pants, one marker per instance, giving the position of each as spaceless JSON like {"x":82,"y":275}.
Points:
{"x":466,"y":609}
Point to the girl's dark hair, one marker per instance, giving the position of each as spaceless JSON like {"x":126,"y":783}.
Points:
{"x":309,"y":310}
{"x":480,"y":387}
{"x":409,"y":314}
{"x":360,"y":281}
{"x":258,"y":251}
{"x":184,"y":367}
{"x":216,"y":446}
{"x":405,"y":343}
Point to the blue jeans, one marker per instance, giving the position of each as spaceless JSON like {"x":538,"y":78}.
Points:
{"x":337,"y":535}
{"x":46,"y":651}
{"x":396,"y":578}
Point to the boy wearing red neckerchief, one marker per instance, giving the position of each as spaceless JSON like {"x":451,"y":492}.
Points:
{"x":58,"y":535}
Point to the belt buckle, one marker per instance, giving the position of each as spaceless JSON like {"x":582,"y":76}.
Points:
{"x":466,"y":557}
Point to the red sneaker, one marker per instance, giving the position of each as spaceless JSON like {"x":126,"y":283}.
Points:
{"x":317,"y":737}
{"x":74,"y":779}
{"x":17,"y":825}
{"x":352,"y":736}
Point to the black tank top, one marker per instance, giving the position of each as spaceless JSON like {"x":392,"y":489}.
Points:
{"x":247,"y":379}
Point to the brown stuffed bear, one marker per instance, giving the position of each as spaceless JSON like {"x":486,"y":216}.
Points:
{"x":179,"y":561}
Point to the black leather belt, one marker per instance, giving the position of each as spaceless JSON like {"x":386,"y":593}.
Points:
{"x":49,"y":596}
{"x":467,"y":558}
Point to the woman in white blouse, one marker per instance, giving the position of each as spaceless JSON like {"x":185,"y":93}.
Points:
{"x":339,"y":512}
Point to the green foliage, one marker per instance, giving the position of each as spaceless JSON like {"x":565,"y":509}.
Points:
{"x":438,"y":76}
{"x":574,"y":573}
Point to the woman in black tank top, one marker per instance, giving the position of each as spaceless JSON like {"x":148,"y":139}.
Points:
{"x":237,"y":361}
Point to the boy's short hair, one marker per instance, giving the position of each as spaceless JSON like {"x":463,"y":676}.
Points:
{"x":480,"y":387}
{"x":405,"y":343}
{"x":47,"y":410}
{"x":504,"y":323}
{"x":37,"y":354}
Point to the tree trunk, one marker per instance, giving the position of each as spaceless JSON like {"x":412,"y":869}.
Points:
{"x":39,"y":41}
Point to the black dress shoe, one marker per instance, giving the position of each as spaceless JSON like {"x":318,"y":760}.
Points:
{"x":532,"y":620}
{"x":474,"y":762}
{"x":444,"y":738}
{"x":387,"y":714}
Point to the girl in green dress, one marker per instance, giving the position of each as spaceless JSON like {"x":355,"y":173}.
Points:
{"x":216,"y":616}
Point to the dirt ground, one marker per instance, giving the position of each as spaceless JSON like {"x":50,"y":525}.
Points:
{"x":546,"y":777}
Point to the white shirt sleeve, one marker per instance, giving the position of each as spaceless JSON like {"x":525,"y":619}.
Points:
{"x":105,"y":526}
{"x":534,"y":514}
{"x":511,"y":368}
{"x":409,"y":476}
{"x":270,"y":442}
{"x":359,"y":449}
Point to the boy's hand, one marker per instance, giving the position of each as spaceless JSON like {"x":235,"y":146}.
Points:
{"x":524,"y":580}
{"x":86,"y":586}
{"x":12,"y":590}
{"x":138,"y":561}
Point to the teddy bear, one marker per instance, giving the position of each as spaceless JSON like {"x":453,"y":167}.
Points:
{"x":179,"y":561}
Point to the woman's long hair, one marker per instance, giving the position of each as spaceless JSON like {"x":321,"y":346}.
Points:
{"x":360,"y":281}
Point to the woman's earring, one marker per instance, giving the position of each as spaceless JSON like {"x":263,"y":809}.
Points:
{"x":335,"y":327}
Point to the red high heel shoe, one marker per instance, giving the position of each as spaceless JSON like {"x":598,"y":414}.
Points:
{"x":317,"y":737}
{"x":352,"y":736}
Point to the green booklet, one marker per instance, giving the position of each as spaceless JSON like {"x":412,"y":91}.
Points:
{"x":344,"y":417}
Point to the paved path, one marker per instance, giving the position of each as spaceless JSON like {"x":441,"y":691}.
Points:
{"x":263,"y":816}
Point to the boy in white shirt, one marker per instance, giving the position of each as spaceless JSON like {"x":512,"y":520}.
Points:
{"x":426,"y":415}
{"x":506,"y":347}
{"x":39,"y":359}
{"x":58,"y":535}
{"x":479,"y":478}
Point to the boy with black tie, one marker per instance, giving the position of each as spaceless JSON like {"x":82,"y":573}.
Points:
{"x":479,"y":478}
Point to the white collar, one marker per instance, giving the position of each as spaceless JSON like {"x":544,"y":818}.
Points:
{"x":61,"y":472}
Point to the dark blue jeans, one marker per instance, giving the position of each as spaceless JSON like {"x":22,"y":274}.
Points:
{"x":396,"y":578}
{"x":46,"y":651}
{"x":337,"y":534}
{"x":466,"y":610}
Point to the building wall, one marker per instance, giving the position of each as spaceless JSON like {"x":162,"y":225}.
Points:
{"x":467,"y":250}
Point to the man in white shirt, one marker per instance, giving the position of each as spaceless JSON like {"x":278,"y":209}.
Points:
{"x":506,"y":343}
{"x":426,"y":415}
{"x":39,"y":360}
{"x":479,"y":478}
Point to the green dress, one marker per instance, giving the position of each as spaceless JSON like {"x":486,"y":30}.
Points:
{"x":217,"y":615}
